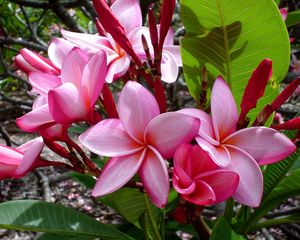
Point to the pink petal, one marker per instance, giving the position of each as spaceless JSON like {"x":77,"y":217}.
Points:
{"x":10,"y":156}
{"x":57,"y":132}
{"x":224,"y":183}
{"x":136,"y":107}
{"x":135,"y":38}
{"x":23,"y":65}
{"x":223,"y":109}
{"x":117,"y":68}
{"x":175,"y":52}
{"x":182,"y":166}
{"x":66,"y":105}
{"x":128,"y":12}
{"x":117,"y":172}
{"x":93,"y":77}
{"x":89,"y":43}
{"x":219,"y":154}
{"x":265,"y":145}
{"x":154,"y":175}
{"x":33,"y":152}
{"x":40,"y":101}
{"x":43,"y":82}
{"x":32,"y":121}
{"x":250,"y":188}
{"x":206,"y":130}
{"x":169,"y":40}
{"x":169,"y":130}
{"x":58,"y":50}
{"x":73,"y":66}
{"x":203,"y":194}
{"x":169,"y":68}
{"x":109,"y":138}
{"x":39,"y":62}
{"x":284,"y":13}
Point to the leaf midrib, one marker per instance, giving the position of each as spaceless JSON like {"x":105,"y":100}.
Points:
{"x":226,"y":45}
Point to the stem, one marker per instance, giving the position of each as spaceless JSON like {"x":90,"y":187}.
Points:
{"x":149,"y":212}
{"x":202,"y":229}
{"x":92,"y":166}
{"x":229,"y":210}
{"x":272,"y":222}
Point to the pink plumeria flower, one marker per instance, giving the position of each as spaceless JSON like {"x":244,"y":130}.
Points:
{"x":128,"y":13}
{"x":138,"y":142}
{"x":17,"y":162}
{"x":239,"y":151}
{"x":82,"y":80}
{"x":198,"y":179}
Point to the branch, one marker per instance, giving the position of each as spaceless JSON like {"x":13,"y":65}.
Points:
{"x":5,"y":135}
{"x":22,"y":42}
{"x":60,"y":10}
{"x":45,"y":4}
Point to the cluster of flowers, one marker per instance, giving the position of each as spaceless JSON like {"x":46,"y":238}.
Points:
{"x":139,"y":136}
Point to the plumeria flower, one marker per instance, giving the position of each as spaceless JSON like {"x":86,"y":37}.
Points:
{"x":240,"y":151}
{"x":138,"y":142}
{"x":82,"y":81}
{"x":17,"y":162}
{"x":128,"y":13}
{"x":198,"y":179}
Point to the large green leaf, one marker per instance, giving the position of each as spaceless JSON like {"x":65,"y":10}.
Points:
{"x":130,"y":203}
{"x":274,"y":173}
{"x":34,"y":215}
{"x":293,"y":18}
{"x":288,"y":187}
{"x":222,"y":230}
{"x":231,"y":38}
{"x":53,"y":236}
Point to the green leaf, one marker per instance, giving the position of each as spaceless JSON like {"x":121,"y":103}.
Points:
{"x":39,"y":216}
{"x":85,"y":179}
{"x":148,"y":222}
{"x":130,"y":203}
{"x":231,"y":38}
{"x":222,"y":230}
{"x":53,"y":236}
{"x":288,"y":187}
{"x":293,"y":18}
{"x":274,"y":173}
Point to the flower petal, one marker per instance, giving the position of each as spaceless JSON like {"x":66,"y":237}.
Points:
{"x":9,"y":155}
{"x":43,"y":82}
{"x":265,"y":145}
{"x":154,"y":175}
{"x":203,"y":194}
{"x":169,"y":130}
{"x":175,"y":52}
{"x":93,"y":78}
{"x":224,"y":183}
{"x":32,"y":121}
{"x":219,"y":154}
{"x":58,"y":50}
{"x":89,"y":43}
{"x":30,"y":156}
{"x":206,"y":130}
{"x":72,"y":67}
{"x":117,"y":172}
{"x":182,"y":165}
{"x":66,"y":105}
{"x":169,"y":68}
{"x":250,"y":188}
{"x":136,"y":107}
{"x":128,"y":12}
{"x":109,"y":138}
{"x":223,"y":109}
{"x":117,"y":68}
